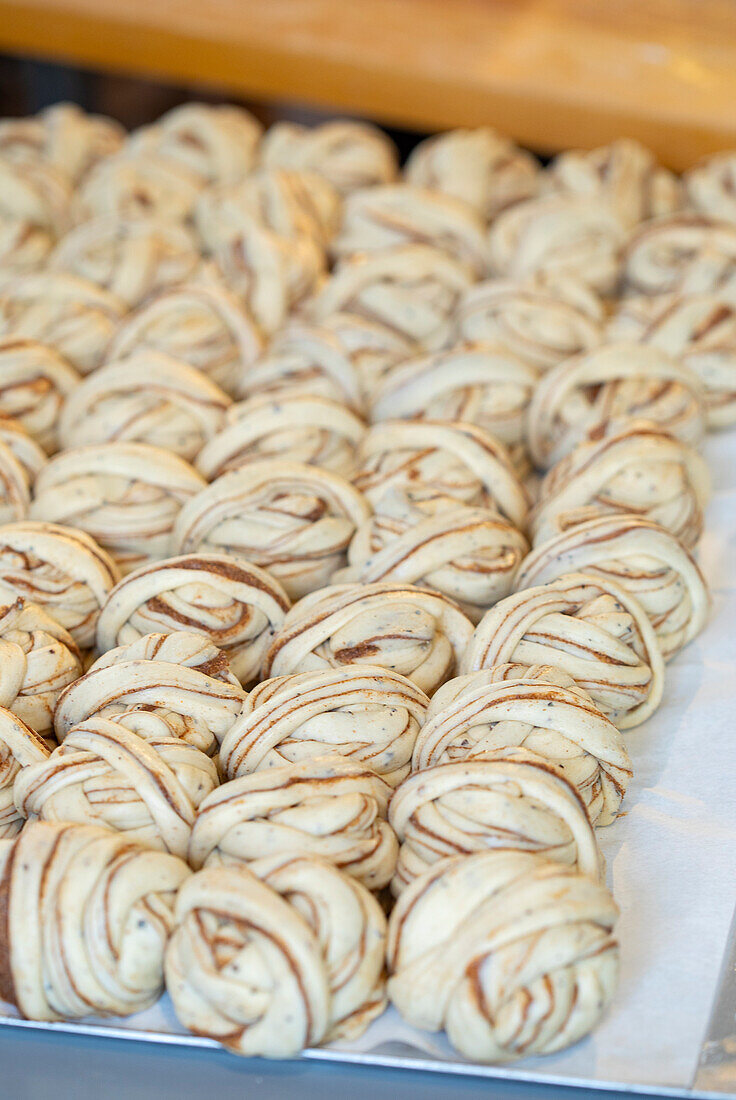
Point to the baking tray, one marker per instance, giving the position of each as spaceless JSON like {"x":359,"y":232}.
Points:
{"x":671,"y":862}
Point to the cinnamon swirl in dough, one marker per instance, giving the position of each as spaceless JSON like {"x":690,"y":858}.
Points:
{"x":641,"y":557}
{"x":587,"y":626}
{"x":541,"y":320}
{"x":146,"y":398}
{"x":477,"y":715}
{"x":436,"y":461}
{"x":412,"y":289}
{"x":709,"y":186}
{"x":20,"y":747}
{"x":294,"y":520}
{"x":70,"y":314}
{"x":34,"y":213}
{"x":213,"y":143}
{"x":367,"y":714}
{"x":137,"y":185}
{"x":62,"y":136}
{"x":380,"y":218}
{"x":510,"y":799}
{"x":89,"y":913}
{"x":200,"y":323}
{"x":481,"y":167}
{"x":292,"y":424}
{"x":62,"y":570}
{"x":225,"y":598}
{"x":309,"y":358}
{"x":698,"y":329}
{"x":38,"y":659}
{"x":105,"y":774}
{"x":413,"y":631}
{"x":292,"y":204}
{"x":125,"y":495}
{"x":511,"y":954}
{"x":277,"y":958}
{"x":181,"y":677}
{"x":468,"y":554}
{"x":133,"y":258}
{"x":686,"y":253}
{"x":624,"y":174}
{"x":594,"y":395}
{"x":349,"y":154}
{"x":639,"y":470}
{"x":35,"y":381}
{"x":326,"y":806}
{"x":559,"y":235}
{"x":481,"y":384}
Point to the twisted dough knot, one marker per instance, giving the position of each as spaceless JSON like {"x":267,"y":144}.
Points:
{"x":710,"y":185}
{"x":327,"y":806}
{"x":512,"y":955}
{"x":412,"y":289}
{"x":559,"y":235}
{"x":270,"y":273}
{"x":597,"y":394}
{"x":272,"y":962}
{"x":35,"y":381}
{"x":295,"y":425}
{"x":16,"y":474}
{"x":588,"y":626}
{"x":63,"y":570}
{"x":624,"y":174}
{"x":70,"y":314}
{"x":700,"y":330}
{"x":292,"y":204}
{"x":371,"y":347}
{"x":413,"y":631}
{"x":303,"y":357}
{"x":540,"y":320}
{"x":38,"y":659}
{"x":182,"y":677}
{"x":639,"y":556}
{"x":201,"y":324}
{"x":468,"y":554}
{"x":19,"y":748}
{"x":687,"y":253}
{"x":481,"y":384}
{"x":510,"y":799}
{"x":476,"y":716}
{"x":379,"y":218}
{"x":211,"y":143}
{"x":481,"y":167}
{"x":87,"y":917}
{"x":292,"y":519}
{"x":137,"y":185}
{"x":638,"y":470}
{"x":34,"y":212}
{"x":367,"y":714}
{"x":146,"y":398}
{"x":63,"y":136}
{"x":133,"y":258}
{"x":125,"y":495}
{"x":348,"y":154}
{"x":431,"y":461}
{"x":233,"y":603}
{"x":104,"y":774}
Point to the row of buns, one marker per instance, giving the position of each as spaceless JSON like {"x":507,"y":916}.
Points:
{"x":347,"y":524}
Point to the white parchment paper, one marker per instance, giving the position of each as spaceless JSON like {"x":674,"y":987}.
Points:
{"x":671,"y":860}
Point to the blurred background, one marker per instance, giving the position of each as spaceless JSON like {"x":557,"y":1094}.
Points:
{"x":27,"y":86}
{"x":551,"y":74}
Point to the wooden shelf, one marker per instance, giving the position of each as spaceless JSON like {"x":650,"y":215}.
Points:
{"x":552,"y":73}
